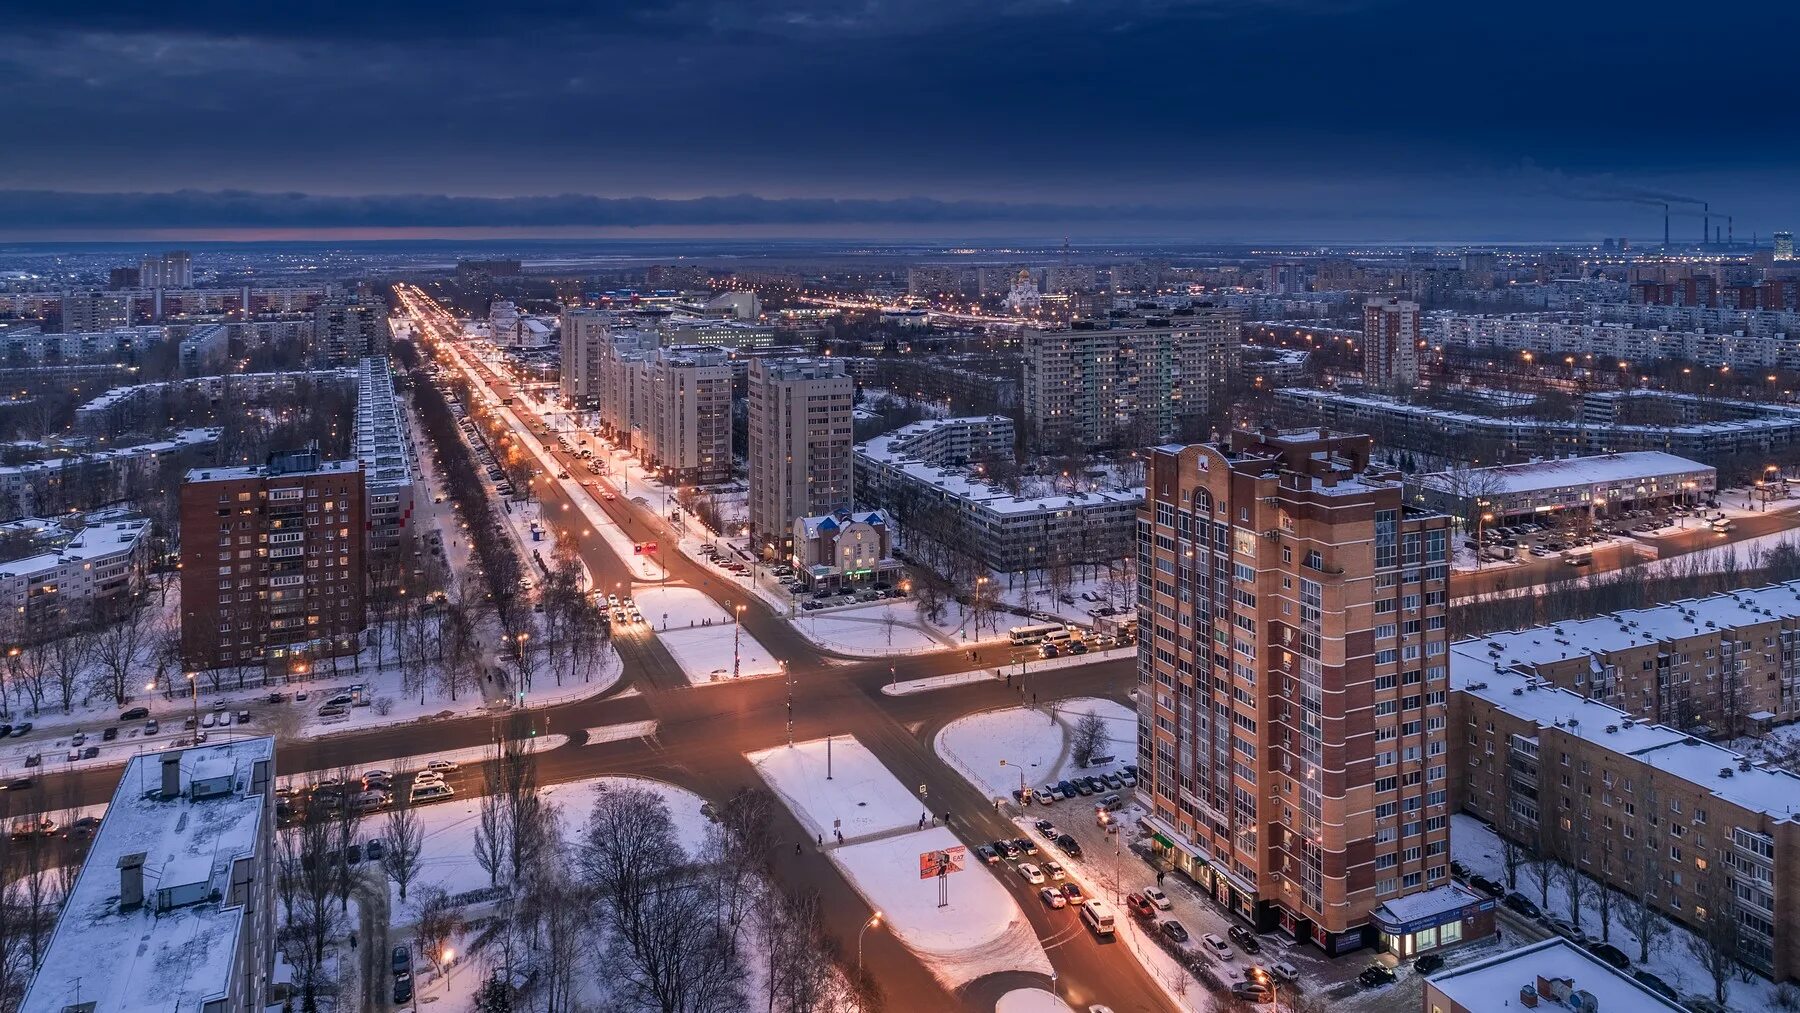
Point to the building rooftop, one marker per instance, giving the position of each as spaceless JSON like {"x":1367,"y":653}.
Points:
{"x":262,"y":471}
{"x":93,"y":542}
{"x":166,"y":954}
{"x":1542,"y":476}
{"x":1474,"y":671}
{"x":1494,"y":985}
{"x":1438,"y":900}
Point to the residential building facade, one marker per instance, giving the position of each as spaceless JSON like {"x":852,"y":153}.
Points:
{"x":1291,"y":672}
{"x":844,"y":550}
{"x":1132,"y":382}
{"x":1390,"y":343}
{"x":272,"y":562}
{"x":688,"y":414}
{"x":799,"y":442}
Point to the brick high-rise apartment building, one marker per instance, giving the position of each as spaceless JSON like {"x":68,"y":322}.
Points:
{"x":1390,"y":343}
{"x":272,"y":562}
{"x":1292,"y":680}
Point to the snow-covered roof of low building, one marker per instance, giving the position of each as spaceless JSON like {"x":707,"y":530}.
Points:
{"x":94,"y":542}
{"x":1494,"y":985}
{"x":179,"y":957}
{"x":1540,"y":476}
{"x":1438,"y":900}
{"x":1474,"y":671}
{"x":811,"y":526}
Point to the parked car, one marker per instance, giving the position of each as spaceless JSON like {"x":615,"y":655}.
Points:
{"x":1284,"y":971}
{"x":1486,"y":885}
{"x":1174,"y":930}
{"x":1052,"y":897}
{"x":1254,"y":992}
{"x":1157,"y":897}
{"x":1113,"y":781}
{"x":135,"y":714}
{"x":1069,"y":845}
{"x":1137,"y":905}
{"x":1375,"y":976}
{"x":151,"y":727}
{"x":1046,"y":795}
{"x":1611,"y":954}
{"x":24,"y":727}
{"x":1047,"y":828}
{"x":402,"y":960}
{"x":108,"y":734}
{"x":1657,"y":985}
{"x":1521,"y":904}
{"x":1245,"y":939}
{"x":403,"y":989}
{"x":1428,"y":963}
{"x":1217,"y":946}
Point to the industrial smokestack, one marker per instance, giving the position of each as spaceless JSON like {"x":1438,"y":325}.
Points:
{"x":1665,"y":225}
{"x":1730,"y":235}
{"x":1705,"y":221}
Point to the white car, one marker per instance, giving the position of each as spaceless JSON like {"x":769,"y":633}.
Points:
{"x":1217,"y":946}
{"x":427,"y":777}
{"x":1054,"y":869}
{"x":1032,"y":874}
{"x":1284,"y":971}
{"x":1157,"y":897}
{"x":442,"y":766}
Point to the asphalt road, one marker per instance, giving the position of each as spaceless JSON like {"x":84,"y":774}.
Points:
{"x":704,"y":731}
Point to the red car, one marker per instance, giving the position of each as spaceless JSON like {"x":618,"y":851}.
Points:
{"x":1140,"y":906}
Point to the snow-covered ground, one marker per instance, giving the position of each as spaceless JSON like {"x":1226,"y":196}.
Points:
{"x":1478,"y":848}
{"x":701,"y":637}
{"x":1034,"y":742}
{"x":1030,"y":1000}
{"x":859,"y":797}
{"x":907,"y":687}
{"x":981,"y":931}
{"x":882,"y":628}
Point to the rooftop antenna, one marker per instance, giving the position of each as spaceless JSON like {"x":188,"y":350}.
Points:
{"x":1705,"y":221}
{"x":1665,"y":226}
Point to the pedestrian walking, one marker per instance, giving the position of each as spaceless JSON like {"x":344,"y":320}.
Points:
{"x":1009,"y":679}
{"x":1159,"y":877}
{"x":797,"y":849}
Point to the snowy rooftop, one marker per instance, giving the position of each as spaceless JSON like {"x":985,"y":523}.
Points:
{"x":1758,"y":789}
{"x":93,"y":542}
{"x":178,"y":957}
{"x":1617,"y":631}
{"x":1574,"y":471}
{"x":185,"y":438}
{"x":1387,"y":404}
{"x":262,"y":471}
{"x":1430,"y":903}
{"x":1494,"y":984}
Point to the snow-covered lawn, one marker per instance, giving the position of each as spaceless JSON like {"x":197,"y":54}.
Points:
{"x":880,"y":628}
{"x":1030,"y":1000}
{"x":859,"y":793}
{"x":907,"y":687}
{"x":448,"y":831}
{"x":1072,"y":660}
{"x":980,"y":932}
{"x":1035,"y":742}
{"x":1478,"y":848}
{"x":701,"y":636}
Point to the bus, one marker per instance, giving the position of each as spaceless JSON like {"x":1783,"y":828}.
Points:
{"x":1037,"y":634}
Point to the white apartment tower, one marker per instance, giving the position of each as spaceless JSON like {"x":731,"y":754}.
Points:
{"x":799,"y":444}
{"x":1390,"y":343}
{"x":689,"y":413}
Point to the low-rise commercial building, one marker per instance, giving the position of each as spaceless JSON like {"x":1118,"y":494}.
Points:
{"x":174,"y":908}
{"x":844,"y":550}
{"x":1399,"y":423}
{"x":1549,"y":975}
{"x":1650,"y":811}
{"x":1594,"y":487}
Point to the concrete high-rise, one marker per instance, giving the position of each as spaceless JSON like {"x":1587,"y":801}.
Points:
{"x":1133,"y":383}
{"x":799,"y":438}
{"x":1390,"y":343}
{"x":272,"y":562}
{"x":689,"y":416}
{"x":347,"y":330}
{"x":173,"y":269}
{"x":1292,"y":681}
{"x":1784,"y":246}
{"x":584,"y":333}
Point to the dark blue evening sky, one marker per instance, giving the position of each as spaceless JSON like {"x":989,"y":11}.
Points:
{"x":1289,"y":119}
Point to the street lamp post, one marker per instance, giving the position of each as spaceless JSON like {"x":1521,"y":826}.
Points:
{"x":874,"y":920}
{"x":737,"y":624}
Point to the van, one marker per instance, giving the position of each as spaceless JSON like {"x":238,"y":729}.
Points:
{"x":1098,"y":917}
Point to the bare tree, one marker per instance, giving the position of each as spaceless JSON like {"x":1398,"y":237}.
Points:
{"x":402,"y":843}
{"x":439,"y":922}
{"x":491,"y":835}
{"x":1645,"y":876}
{"x":1716,"y":939}
{"x":118,"y":646}
{"x":346,"y":831}
{"x":68,"y":654}
{"x":1088,"y":738}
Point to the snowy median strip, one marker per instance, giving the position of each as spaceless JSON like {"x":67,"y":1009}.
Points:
{"x":931,"y":682}
{"x":701,"y":637}
{"x":979,"y":931}
{"x":465,"y":755}
{"x":618,"y":733}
